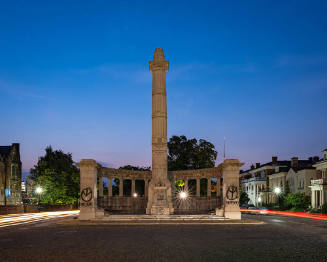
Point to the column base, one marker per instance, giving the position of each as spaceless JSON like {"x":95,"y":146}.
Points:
{"x":236,"y":215}
{"x":86,"y":214}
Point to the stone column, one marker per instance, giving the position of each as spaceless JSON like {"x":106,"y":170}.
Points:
{"x":121,"y":187}
{"x":133,"y":186}
{"x":100,"y":186}
{"x":146,"y":188}
{"x":218,"y":187}
{"x":160,"y":195}
{"x":110,"y":186}
{"x":88,"y":186}
{"x":186,"y":184}
{"x":231,"y":172}
{"x":198,"y":193}
{"x":208,"y":187}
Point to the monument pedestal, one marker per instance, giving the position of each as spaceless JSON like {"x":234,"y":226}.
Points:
{"x":231,"y":171}
{"x":159,"y":202}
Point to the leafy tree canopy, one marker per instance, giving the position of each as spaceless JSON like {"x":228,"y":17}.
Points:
{"x":136,"y":168}
{"x":58,"y":177}
{"x":184,"y":154}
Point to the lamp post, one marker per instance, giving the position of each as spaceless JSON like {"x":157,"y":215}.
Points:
{"x":259,"y":200}
{"x":277,"y":192}
{"x":38,"y":191}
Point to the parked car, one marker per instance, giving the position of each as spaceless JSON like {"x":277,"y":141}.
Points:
{"x":244,"y":206}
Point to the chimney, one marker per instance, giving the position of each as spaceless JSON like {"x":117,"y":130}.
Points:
{"x":257,"y":165}
{"x":294,"y":162}
{"x":252,"y":167}
{"x":274,"y":160}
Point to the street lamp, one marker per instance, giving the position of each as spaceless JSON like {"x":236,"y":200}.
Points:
{"x":182,"y":195}
{"x":135,"y":195}
{"x":38,"y":191}
{"x":259,"y":200}
{"x":277,"y":190}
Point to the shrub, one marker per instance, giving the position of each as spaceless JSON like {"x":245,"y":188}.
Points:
{"x":298,"y":201}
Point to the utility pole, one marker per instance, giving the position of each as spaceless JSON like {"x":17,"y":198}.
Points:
{"x":224,"y":147}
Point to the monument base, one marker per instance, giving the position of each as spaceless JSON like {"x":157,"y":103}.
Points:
{"x":159,"y":202}
{"x":233,"y":215}
{"x":86,"y":214}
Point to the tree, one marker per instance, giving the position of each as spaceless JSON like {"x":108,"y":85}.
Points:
{"x":59,"y":178}
{"x":136,"y":168}
{"x":184,"y":154}
{"x":244,"y":198}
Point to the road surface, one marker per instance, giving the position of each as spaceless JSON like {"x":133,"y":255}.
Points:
{"x":280,"y":238}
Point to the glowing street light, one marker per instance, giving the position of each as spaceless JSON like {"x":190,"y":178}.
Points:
{"x":182,"y":195}
{"x":277,"y":190}
{"x":38,"y":191}
{"x":259,"y":199}
{"x":135,"y":195}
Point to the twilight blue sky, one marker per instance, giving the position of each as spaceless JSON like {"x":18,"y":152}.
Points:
{"x":74,"y":75}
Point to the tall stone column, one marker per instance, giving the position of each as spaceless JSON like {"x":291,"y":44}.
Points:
{"x":198,"y":188}
{"x":133,"y":186}
{"x":146,"y":187}
{"x":160,"y":195}
{"x":121,"y":187}
{"x":100,"y":186}
{"x":231,"y":172}
{"x":88,"y":186}
{"x":218,"y":187}
{"x":110,"y":186}
{"x":209,"y":187}
{"x":186,"y":184}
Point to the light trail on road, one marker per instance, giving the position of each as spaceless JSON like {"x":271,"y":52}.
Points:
{"x":287,"y":213}
{"x":19,"y":219}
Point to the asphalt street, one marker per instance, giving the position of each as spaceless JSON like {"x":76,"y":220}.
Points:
{"x":280,"y":238}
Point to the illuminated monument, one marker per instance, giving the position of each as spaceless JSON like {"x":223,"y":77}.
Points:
{"x":159,"y":195}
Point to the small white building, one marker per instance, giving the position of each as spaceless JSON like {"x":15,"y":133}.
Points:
{"x":319,"y":185}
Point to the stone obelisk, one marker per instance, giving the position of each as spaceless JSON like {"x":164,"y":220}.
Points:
{"x":159,"y":194}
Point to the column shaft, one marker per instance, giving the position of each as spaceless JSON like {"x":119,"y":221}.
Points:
{"x":100,"y":186}
{"x":186,"y":184}
{"x":198,"y":193}
{"x":133,"y":186}
{"x":209,"y":187}
{"x":146,"y":183}
{"x":218,"y":187}
{"x":121,"y":187}
{"x":109,"y":186}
